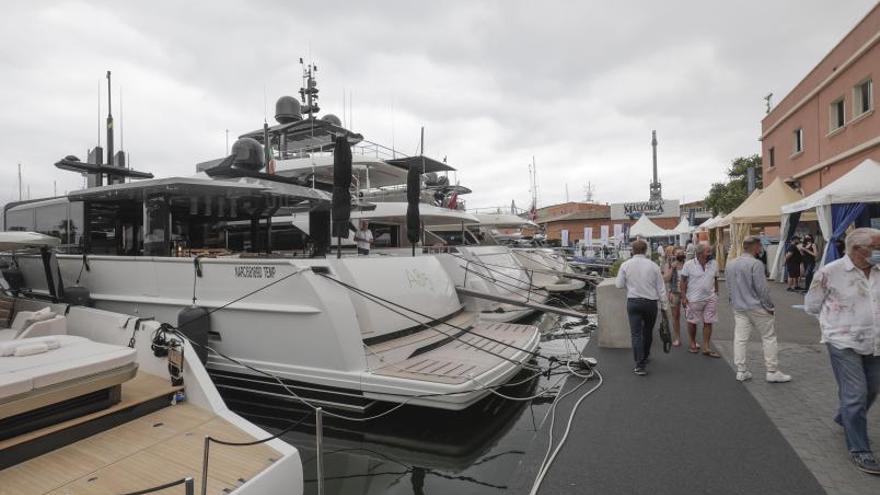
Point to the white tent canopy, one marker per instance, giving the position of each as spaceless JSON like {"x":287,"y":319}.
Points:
{"x":683,"y":227}
{"x":644,"y":227}
{"x":710,"y":223}
{"x":859,"y":185}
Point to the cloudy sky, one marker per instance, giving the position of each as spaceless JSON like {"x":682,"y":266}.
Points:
{"x":578,"y":85}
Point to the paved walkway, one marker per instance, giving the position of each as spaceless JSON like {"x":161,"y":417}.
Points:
{"x":689,"y":427}
{"x":802,"y":409}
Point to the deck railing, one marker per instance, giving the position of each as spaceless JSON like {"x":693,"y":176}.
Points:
{"x":188,"y":486}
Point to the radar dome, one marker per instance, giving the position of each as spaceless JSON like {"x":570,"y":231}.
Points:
{"x":332,"y":119}
{"x":247,"y":153}
{"x":287,"y":110}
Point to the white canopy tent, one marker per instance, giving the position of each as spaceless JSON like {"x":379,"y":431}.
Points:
{"x":708,"y":224}
{"x":683,"y":230}
{"x":683,"y":227}
{"x":644,"y":227}
{"x":859,"y":185}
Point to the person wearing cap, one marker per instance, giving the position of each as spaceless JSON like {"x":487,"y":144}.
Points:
{"x":752,"y":310}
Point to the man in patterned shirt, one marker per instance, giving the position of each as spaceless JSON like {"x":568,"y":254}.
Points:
{"x":846,"y":296}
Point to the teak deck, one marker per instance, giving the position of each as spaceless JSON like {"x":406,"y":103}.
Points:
{"x":468,"y":355}
{"x":151,"y":450}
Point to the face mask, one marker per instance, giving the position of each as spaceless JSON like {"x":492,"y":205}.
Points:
{"x":875,"y":257}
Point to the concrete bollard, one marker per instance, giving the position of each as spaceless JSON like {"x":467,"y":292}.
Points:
{"x":613,"y":324}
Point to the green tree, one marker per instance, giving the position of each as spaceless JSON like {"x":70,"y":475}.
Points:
{"x":724,"y":197}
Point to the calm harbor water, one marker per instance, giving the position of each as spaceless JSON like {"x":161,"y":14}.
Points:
{"x":417,"y":450}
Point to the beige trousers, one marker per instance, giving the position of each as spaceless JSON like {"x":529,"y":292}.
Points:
{"x":762,"y":321}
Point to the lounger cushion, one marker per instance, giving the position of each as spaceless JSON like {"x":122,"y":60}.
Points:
{"x":31,"y":349}
{"x":9,"y":348}
{"x":53,"y":326}
{"x":76,"y":357}
{"x":24,"y":319}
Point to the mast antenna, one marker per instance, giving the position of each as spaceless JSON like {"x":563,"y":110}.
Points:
{"x":110,"y":157}
{"x":121,"y":122}
{"x":309,"y":91}
{"x":99,"y":114}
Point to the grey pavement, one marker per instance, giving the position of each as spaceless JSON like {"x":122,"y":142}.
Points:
{"x":689,"y":427}
{"x":686,"y":428}
{"x":802,"y":410}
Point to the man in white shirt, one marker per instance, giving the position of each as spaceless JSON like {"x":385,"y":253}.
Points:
{"x":699,"y":296}
{"x":364,"y":238}
{"x":846,"y":296}
{"x":644,"y":290}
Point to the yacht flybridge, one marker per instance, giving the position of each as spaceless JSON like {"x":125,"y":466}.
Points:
{"x":91,"y":402}
{"x":346,"y":332}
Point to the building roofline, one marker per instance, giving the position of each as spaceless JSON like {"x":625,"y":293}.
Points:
{"x":812,"y":71}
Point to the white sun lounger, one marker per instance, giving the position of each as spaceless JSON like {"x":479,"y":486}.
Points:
{"x":41,"y":371}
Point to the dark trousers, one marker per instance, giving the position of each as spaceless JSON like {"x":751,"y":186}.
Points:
{"x":809,"y":271}
{"x":642,"y":316}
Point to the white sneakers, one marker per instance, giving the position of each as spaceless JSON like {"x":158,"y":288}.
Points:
{"x":778,"y":377}
{"x":772,"y":377}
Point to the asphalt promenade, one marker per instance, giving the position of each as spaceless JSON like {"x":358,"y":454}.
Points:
{"x":690,"y":428}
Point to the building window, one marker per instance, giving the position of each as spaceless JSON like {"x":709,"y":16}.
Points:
{"x":798,"y":140}
{"x":772,"y":157}
{"x":863,"y":98}
{"x":836,"y":115}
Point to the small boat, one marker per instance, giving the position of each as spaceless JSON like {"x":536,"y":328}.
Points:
{"x":549,"y":269}
{"x":483,"y":267}
{"x":93,"y":401}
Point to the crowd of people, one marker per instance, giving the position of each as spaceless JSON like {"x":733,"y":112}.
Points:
{"x":844,"y":295}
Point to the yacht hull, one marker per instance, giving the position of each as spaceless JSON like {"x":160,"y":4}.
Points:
{"x":295,"y":320}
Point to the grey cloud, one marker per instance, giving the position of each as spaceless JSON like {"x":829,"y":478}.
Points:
{"x":577,"y":84}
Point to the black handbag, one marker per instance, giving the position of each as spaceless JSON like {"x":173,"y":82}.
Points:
{"x":665,"y":334}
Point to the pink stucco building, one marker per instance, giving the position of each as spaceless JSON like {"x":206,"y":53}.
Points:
{"x":827,"y":124}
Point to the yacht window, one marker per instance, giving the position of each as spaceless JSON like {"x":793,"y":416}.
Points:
{"x":76,"y":224}
{"x":22,"y":220}
{"x":52,"y":220}
{"x":115,"y":228}
{"x":385,"y":236}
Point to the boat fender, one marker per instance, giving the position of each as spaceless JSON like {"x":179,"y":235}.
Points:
{"x":195,"y":323}
{"x":14,"y":277}
{"x":77,"y":296}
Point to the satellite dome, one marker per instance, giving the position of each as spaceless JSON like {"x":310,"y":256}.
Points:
{"x":287,"y":110}
{"x":247,"y":153}
{"x":332,"y":119}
